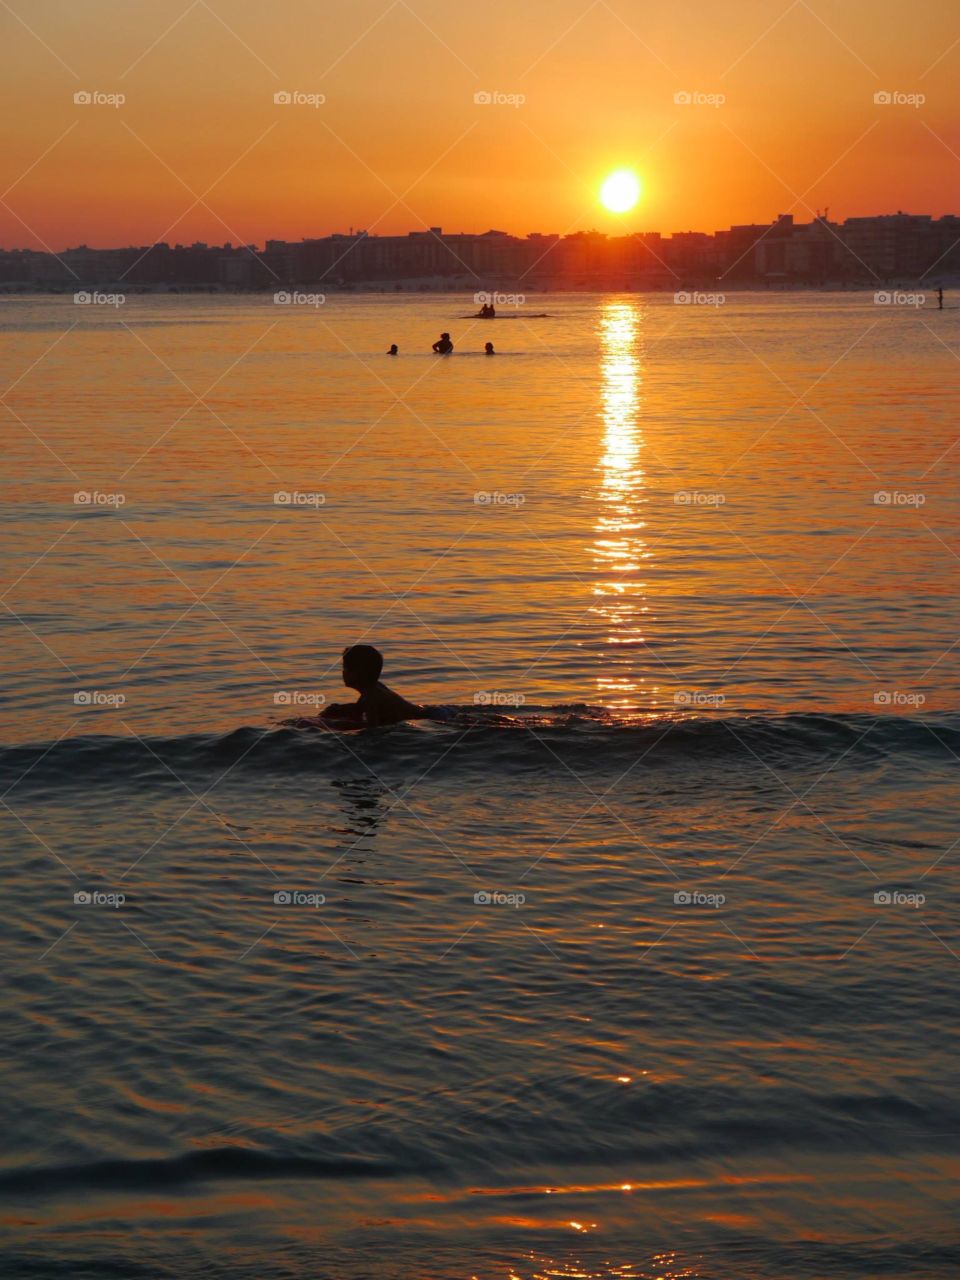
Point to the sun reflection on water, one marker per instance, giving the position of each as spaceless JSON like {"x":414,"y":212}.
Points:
{"x":660,"y":1266}
{"x":619,"y":547}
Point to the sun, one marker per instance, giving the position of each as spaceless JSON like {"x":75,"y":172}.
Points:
{"x":620,"y":191}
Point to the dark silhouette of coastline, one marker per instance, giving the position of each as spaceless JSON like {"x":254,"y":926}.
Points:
{"x":900,"y":249}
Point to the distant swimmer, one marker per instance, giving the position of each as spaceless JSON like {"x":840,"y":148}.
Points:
{"x":488,"y":349}
{"x":394,"y":350}
{"x":443,"y":346}
{"x":940,"y":299}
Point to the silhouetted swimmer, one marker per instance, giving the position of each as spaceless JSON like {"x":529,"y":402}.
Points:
{"x":394,"y":350}
{"x":488,"y":349}
{"x":940,"y":299}
{"x":443,"y":346}
{"x":376,"y":706}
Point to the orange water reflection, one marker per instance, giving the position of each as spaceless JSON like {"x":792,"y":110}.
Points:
{"x":620,"y":549}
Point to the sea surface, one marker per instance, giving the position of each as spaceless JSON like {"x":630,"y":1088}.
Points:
{"x":644,"y":961}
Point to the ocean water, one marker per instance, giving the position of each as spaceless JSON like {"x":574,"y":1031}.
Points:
{"x":642,"y":963}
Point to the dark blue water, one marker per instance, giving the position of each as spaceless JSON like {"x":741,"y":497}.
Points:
{"x":712,"y":961}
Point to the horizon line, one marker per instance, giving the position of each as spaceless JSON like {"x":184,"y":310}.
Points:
{"x":438,"y":231}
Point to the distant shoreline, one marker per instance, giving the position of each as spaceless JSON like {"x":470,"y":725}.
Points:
{"x":460,"y":290}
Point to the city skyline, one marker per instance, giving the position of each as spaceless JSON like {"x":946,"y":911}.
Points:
{"x":355,"y":229}
{"x":897,"y":246}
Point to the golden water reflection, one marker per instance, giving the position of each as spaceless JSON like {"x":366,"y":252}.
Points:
{"x":619,"y":548}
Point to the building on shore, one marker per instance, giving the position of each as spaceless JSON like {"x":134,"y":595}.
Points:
{"x":895,"y":248}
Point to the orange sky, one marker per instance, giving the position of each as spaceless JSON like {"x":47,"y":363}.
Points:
{"x":400,"y":143}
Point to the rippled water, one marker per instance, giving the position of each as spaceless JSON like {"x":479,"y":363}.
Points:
{"x":642,"y":963}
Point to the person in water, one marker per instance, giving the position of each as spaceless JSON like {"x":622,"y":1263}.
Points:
{"x":488,"y":349}
{"x":394,"y":350}
{"x":377,"y":705}
{"x":443,"y":346}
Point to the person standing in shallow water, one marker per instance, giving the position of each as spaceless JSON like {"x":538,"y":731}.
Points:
{"x":394,"y":350}
{"x":488,"y":350}
{"x":443,"y":346}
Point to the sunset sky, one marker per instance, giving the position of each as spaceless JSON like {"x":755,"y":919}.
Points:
{"x":200,"y":151}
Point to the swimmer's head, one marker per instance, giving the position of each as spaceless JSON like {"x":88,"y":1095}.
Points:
{"x":362,"y":664}
{"x":444,"y":335}
{"x":489,"y":349}
{"x":394,"y":349}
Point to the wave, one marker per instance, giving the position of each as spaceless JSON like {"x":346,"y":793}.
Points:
{"x":195,"y":1166}
{"x":538,"y":738}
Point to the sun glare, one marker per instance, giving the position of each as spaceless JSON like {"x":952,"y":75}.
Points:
{"x":620,"y":191}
